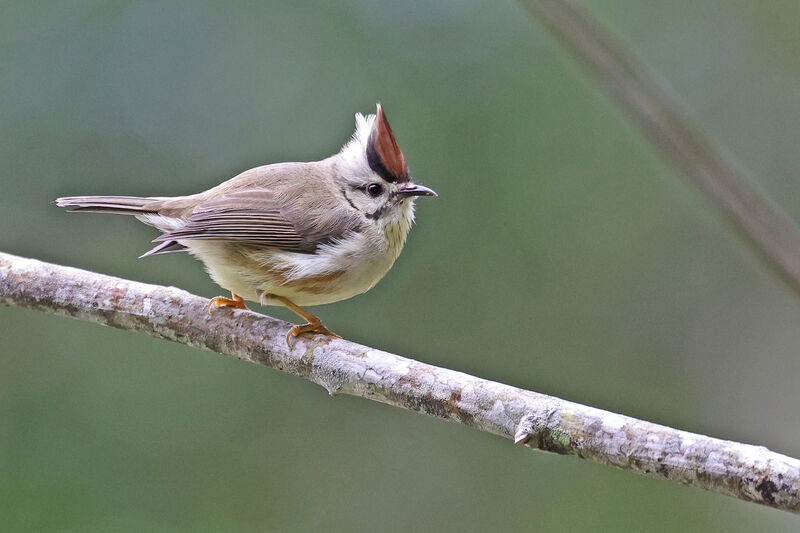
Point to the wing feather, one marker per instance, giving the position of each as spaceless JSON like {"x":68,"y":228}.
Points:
{"x":255,"y":217}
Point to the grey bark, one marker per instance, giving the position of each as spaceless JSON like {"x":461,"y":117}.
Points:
{"x":769,"y":230}
{"x":751,"y":473}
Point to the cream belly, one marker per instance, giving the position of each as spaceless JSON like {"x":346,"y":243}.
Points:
{"x":336,"y":271}
{"x":250,"y":278}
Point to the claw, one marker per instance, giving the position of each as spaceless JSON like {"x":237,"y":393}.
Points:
{"x":220,"y":301}
{"x":311,"y":327}
{"x":314,"y":324}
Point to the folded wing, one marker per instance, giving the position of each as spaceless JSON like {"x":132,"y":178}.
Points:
{"x":254,"y":217}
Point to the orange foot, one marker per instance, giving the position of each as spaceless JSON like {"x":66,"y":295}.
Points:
{"x":220,"y":301}
{"x":312,"y":327}
{"x":314,"y":324}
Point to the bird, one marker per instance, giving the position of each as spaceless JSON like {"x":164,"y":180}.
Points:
{"x":292,"y":234}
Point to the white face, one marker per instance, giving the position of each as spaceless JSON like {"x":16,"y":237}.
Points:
{"x":373,"y":196}
{"x":374,"y":173}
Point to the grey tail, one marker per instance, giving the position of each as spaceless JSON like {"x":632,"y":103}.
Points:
{"x":123,"y":205}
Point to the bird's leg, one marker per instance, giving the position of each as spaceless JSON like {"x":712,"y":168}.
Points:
{"x":314,"y":324}
{"x":220,"y":301}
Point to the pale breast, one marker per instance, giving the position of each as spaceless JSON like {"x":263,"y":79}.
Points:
{"x":339,"y":270}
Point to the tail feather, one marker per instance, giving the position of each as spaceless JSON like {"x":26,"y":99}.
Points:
{"x":145,"y":209}
{"x":124,"y":205}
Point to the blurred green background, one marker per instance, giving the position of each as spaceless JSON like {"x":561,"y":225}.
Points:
{"x":563,"y":255}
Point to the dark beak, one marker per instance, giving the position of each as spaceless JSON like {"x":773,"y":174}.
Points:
{"x":413,"y":189}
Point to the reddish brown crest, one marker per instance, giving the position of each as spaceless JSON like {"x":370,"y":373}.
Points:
{"x":383,"y":154}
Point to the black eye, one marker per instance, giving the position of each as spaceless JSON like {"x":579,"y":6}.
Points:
{"x":374,"y":190}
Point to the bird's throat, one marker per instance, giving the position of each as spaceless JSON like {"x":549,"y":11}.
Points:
{"x":396,"y":226}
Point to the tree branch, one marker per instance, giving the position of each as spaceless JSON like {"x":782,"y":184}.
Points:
{"x":543,"y":422}
{"x":766,"y":227}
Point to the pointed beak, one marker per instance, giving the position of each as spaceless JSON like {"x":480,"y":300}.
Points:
{"x":413,"y":189}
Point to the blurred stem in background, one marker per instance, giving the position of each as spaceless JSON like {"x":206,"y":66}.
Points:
{"x":764,"y":224}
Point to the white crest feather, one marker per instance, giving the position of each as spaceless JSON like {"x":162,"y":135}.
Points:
{"x":354,"y":154}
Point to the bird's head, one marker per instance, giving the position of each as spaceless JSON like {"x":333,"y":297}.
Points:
{"x":374,"y":173}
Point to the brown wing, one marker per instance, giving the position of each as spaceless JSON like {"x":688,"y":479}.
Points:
{"x":263,"y":218}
